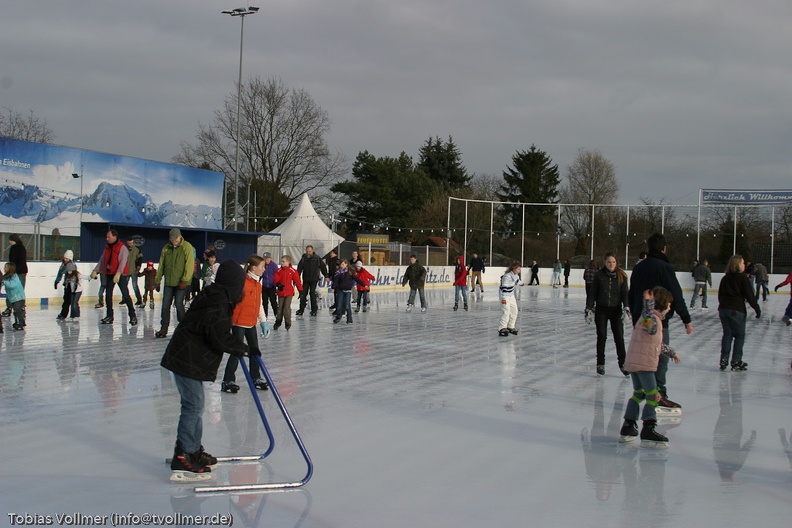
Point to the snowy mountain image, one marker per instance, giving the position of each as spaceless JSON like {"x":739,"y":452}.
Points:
{"x":110,"y":202}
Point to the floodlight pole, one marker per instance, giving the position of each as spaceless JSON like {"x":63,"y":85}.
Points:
{"x":241,"y":12}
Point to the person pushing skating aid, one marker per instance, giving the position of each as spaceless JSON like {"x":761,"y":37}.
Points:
{"x":194,"y":355}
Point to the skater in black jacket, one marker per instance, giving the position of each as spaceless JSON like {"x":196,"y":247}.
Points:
{"x":609,"y":294}
{"x":194,"y":355}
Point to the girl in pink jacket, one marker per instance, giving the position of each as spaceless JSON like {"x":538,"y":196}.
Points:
{"x":645,"y":348}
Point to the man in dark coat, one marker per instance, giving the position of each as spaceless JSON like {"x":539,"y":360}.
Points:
{"x":655,"y":270}
{"x":194,"y":355}
{"x":311,"y":267}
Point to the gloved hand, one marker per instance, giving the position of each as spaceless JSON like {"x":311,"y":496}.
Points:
{"x":264,"y":328}
{"x":157,"y":288}
{"x":775,"y":289}
{"x":116,"y":278}
{"x":279,"y":287}
{"x":56,"y":285}
{"x":758,"y":314}
{"x":587,"y":315}
{"x":254,"y":352}
{"x":182,"y":285}
{"x":94,"y":275}
{"x":627,"y":313}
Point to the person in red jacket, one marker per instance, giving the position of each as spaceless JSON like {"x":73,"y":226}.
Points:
{"x":460,"y":282}
{"x":787,"y":319}
{"x":363,"y":289}
{"x":286,"y":278}
{"x":247,"y":314}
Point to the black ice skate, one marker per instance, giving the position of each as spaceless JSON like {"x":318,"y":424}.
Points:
{"x":260,"y":384}
{"x":456,"y":306}
{"x":739,"y":365}
{"x":666,"y":406}
{"x":187,"y":467}
{"x":629,"y":431}
{"x":601,"y":370}
{"x":503,"y":332}
{"x":229,"y":386}
{"x":724,"y":363}
{"x":650,"y":437}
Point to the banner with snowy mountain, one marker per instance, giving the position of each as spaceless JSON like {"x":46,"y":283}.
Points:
{"x":62,"y":186}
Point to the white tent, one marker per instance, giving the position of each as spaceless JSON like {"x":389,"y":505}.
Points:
{"x":302,"y":228}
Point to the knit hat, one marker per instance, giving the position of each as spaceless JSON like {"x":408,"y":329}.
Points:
{"x":231,"y":276}
{"x":150,"y":264}
{"x":174,"y":233}
{"x":267,"y":255}
{"x":358,"y":264}
{"x":69,"y":254}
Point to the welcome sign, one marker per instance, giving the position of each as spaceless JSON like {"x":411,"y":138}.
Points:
{"x":745,"y":197}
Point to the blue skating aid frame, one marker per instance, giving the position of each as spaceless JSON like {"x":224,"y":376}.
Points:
{"x":277,"y":486}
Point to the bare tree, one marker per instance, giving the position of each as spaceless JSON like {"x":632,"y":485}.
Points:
{"x":591,"y":179}
{"x":282,"y":143}
{"x":16,"y":125}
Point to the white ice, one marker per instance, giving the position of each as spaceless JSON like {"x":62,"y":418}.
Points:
{"x":410,"y":419}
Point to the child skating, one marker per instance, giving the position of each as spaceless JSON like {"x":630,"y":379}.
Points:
{"x":645,"y":348}
{"x":509,"y":281}
{"x":248,"y":313}
{"x":15,"y":295}
{"x":194,"y":355}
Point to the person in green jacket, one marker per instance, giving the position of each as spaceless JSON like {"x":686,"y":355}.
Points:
{"x":176,"y":265}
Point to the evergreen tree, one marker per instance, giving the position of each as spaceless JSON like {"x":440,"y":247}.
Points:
{"x":384,"y":190}
{"x":532,"y":179}
{"x":442,"y":163}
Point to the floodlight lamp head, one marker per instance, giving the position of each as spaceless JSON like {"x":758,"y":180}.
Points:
{"x":75,"y":175}
{"x":253,"y":8}
{"x":227,"y":12}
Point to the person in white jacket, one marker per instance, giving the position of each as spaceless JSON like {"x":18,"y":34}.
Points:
{"x":509,"y":281}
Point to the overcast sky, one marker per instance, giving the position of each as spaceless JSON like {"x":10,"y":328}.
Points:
{"x":678,"y":94}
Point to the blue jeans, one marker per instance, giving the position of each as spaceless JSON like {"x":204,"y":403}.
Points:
{"x":788,"y":311}
{"x":411,"y":299}
{"x":460,"y":289}
{"x":251,"y":336}
{"x":699,"y":287}
{"x":344,"y":304}
{"x":733,"y":323}
{"x":190,"y":429}
{"x":762,"y":285}
{"x":134,"y":281}
{"x":644,"y":388}
{"x":169,"y":294}
{"x":75,"y":304}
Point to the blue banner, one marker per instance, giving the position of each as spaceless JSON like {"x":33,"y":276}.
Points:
{"x":62,"y":186}
{"x":744,"y":197}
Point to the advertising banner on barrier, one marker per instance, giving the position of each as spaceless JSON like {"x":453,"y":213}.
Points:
{"x":62,"y":186}
{"x":745,"y":197}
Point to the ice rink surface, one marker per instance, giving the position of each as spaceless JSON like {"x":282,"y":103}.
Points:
{"x":411,"y":420}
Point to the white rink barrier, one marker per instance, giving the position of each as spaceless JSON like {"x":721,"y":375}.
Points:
{"x":41,"y":276}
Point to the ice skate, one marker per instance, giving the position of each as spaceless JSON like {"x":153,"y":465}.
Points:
{"x":260,"y":384}
{"x":629,"y":431}
{"x":503,"y":332}
{"x":456,"y":306}
{"x":151,"y":305}
{"x":601,"y":370}
{"x":188,"y":467}
{"x":666,"y":406}
{"x":409,"y":308}
{"x":466,"y":307}
{"x":423,"y":309}
{"x":230,"y":387}
{"x":724,"y":363}
{"x":513,"y":331}
{"x":650,"y":437}
{"x":739,"y":366}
